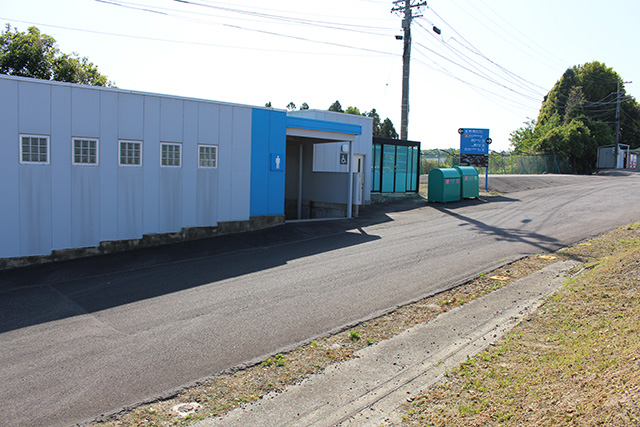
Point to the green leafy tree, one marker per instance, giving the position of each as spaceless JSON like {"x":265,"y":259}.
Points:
{"x":523,"y":139}
{"x":578,"y":115}
{"x":574,"y":140}
{"x":384,"y":129}
{"x":33,"y":54}
{"x":353,"y":110}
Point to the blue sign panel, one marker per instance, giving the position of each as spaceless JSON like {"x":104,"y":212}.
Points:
{"x":277,"y":162}
{"x":474,"y":141}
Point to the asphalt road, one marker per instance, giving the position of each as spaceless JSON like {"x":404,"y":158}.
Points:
{"x":87,"y":337}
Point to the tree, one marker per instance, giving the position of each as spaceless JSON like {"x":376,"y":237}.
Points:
{"x":353,"y":110}
{"x":589,"y":92}
{"x":304,"y":106}
{"x":387,"y":130}
{"x":291,"y":106}
{"x":376,"y":121}
{"x":578,"y":115}
{"x":33,"y":54}
{"x":523,"y":139}
{"x":575,"y":141}
{"x":268,"y":104}
{"x":336,"y":107}
{"x":381,"y":129}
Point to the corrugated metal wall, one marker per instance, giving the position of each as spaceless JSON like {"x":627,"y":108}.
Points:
{"x":59,"y":205}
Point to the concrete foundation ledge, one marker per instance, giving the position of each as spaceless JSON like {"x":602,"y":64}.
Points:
{"x":383,"y":198}
{"x":147,"y":240}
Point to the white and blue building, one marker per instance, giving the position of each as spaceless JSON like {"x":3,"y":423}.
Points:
{"x":88,"y":169}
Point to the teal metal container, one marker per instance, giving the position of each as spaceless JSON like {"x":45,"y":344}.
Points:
{"x":470,"y":185}
{"x":444,"y":185}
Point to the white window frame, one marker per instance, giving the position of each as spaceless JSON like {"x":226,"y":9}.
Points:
{"x":73,"y":151}
{"x":215,"y":157}
{"x":167,"y":144}
{"x":31,"y":162}
{"x":129,"y":141}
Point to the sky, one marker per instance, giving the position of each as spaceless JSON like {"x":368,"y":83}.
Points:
{"x":490,"y":67}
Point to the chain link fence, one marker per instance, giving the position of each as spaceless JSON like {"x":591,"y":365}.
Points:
{"x":500,"y":163}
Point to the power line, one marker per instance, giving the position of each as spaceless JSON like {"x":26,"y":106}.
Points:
{"x":194,"y":43}
{"x":263,"y":17}
{"x":542,"y":55}
{"x":471,"y":62}
{"x":477,"y":74}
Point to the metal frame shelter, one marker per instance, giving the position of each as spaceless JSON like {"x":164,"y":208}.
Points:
{"x":395,"y":166}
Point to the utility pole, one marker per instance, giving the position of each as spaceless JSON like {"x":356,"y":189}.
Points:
{"x":406,"y":9}
{"x":616,"y":151}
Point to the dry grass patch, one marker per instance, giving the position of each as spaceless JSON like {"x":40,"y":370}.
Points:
{"x":574,"y":362}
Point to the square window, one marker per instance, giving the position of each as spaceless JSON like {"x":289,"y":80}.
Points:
{"x":34,"y":149}
{"x":85,"y":151}
{"x":170,"y":155}
{"x":130,"y":153}
{"x":208,"y":156}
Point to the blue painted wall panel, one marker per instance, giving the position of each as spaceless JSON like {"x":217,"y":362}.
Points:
{"x":241,"y":169}
{"x":60,"y":169}
{"x":225,"y":162}
{"x":34,"y":117}
{"x":85,"y":206}
{"x":259,"y":161}
{"x":109,"y":155}
{"x":208,"y":123}
{"x":130,"y":116}
{"x":9,"y":144}
{"x":34,"y":108}
{"x":130,"y":201}
{"x":60,"y":205}
{"x":277,"y":144}
{"x":323,"y":125}
{"x":269,"y":135}
{"x":207,"y":197}
{"x":85,"y":112}
{"x":150,"y":163}
{"x":170,"y":200}
{"x":35,"y":210}
{"x":207,"y":178}
{"x":190,"y":164}
{"x":171,"y":115}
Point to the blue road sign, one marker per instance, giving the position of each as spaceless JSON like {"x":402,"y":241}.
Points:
{"x":474,"y":141}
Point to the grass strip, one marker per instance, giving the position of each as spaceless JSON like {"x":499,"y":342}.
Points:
{"x":574,"y":362}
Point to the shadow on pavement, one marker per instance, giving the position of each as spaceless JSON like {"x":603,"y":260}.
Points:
{"x":542,"y":242}
{"x":45,"y":293}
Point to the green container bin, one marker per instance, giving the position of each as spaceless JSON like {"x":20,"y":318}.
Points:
{"x":470,"y":186}
{"x":444,"y":185}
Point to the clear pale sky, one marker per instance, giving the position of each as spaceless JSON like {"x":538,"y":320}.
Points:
{"x":490,"y":68}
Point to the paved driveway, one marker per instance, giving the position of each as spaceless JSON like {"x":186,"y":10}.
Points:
{"x":87,"y":337}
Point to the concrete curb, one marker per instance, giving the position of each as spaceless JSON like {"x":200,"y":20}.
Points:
{"x":367,"y":390}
